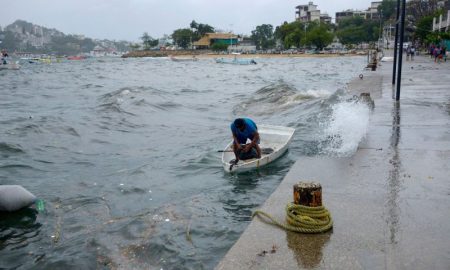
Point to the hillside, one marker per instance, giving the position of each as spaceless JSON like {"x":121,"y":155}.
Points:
{"x":23,"y":36}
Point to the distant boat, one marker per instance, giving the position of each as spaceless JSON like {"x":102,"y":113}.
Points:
{"x":387,"y":59}
{"x":76,"y":57}
{"x":236,"y":61}
{"x":190,"y":59}
{"x":30,"y":60}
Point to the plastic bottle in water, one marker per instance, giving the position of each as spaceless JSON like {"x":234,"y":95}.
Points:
{"x":40,"y":205}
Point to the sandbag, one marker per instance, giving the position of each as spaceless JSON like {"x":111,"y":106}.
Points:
{"x":15,"y":197}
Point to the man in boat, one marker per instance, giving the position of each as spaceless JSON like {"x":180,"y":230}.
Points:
{"x":244,"y":129}
{"x":4,"y":54}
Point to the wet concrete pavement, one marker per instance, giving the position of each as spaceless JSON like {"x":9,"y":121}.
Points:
{"x":389,"y":201}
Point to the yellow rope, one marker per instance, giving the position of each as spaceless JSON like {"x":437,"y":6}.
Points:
{"x":300,"y":218}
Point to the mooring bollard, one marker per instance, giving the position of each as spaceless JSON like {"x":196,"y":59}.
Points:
{"x":306,"y":214}
{"x":308,"y":194}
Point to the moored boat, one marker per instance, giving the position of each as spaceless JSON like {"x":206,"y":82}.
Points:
{"x":387,"y":59}
{"x":179,"y":59}
{"x":76,"y":57}
{"x":236,"y":61}
{"x":275,"y":141}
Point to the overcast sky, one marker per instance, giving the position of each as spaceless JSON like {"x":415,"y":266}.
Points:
{"x":128,"y":19}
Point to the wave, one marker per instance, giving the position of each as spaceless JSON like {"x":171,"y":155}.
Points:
{"x":276,"y":97}
{"x":16,"y":166}
{"x":126,"y":99}
{"x":112,"y":101}
{"x":10,"y":148}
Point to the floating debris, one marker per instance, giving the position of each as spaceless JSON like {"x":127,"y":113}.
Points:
{"x":263,"y":253}
{"x":274,"y":249}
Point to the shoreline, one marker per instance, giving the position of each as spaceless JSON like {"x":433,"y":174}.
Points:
{"x":209,"y":54}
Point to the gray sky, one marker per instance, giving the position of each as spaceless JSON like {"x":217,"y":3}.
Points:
{"x":128,"y":19}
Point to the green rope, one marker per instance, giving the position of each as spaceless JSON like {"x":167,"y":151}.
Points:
{"x":300,"y":218}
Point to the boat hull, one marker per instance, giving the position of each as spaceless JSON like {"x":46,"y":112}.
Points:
{"x":277,"y":138}
{"x":192,"y":59}
{"x":235,"y":61}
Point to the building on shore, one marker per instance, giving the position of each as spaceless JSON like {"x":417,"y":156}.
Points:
{"x":442,"y":23}
{"x":309,"y":13}
{"x":244,"y":45}
{"x":209,"y":39}
{"x":370,"y":14}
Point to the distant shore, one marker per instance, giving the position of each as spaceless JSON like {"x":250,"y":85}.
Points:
{"x":211,"y":54}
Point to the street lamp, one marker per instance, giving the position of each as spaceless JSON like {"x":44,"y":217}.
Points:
{"x":379,"y":31}
{"x":191,"y":38}
{"x":231,"y":37}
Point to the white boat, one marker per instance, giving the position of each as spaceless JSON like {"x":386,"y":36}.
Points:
{"x":235,"y":61}
{"x":274,"y":143}
{"x":190,"y":59}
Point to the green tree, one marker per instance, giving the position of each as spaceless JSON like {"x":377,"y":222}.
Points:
{"x":200,"y":30}
{"x":148,"y":41}
{"x":10,"y":41}
{"x":219,"y":47}
{"x":319,"y":36}
{"x":194,"y":24}
{"x":352,"y":21}
{"x":204,"y":28}
{"x":420,"y":19}
{"x":263,"y":36}
{"x":387,"y":8}
{"x":437,"y":37}
{"x":87,"y":45}
{"x":183,"y":37}
{"x":291,"y":34}
{"x":357,"y":30}
{"x":351,"y":35}
{"x":421,"y":8}
{"x":424,"y":26}
{"x":135,"y":46}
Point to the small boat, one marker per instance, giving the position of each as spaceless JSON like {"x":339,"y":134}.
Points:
{"x":236,"y":61}
{"x":76,"y":57}
{"x":387,"y":59}
{"x":190,"y":59}
{"x":274,"y":143}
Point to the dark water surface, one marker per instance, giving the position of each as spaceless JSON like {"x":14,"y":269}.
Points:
{"x":124,"y":153}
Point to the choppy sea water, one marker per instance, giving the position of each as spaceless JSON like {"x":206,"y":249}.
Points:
{"x":124,"y":154}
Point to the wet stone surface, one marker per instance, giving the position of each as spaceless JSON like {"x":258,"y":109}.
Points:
{"x":389,"y":201}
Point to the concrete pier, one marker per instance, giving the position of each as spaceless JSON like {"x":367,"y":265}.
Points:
{"x":390,"y":201}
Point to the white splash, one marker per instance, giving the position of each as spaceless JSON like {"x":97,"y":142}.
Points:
{"x":321,"y":93}
{"x":347,"y":127}
{"x":301,"y":97}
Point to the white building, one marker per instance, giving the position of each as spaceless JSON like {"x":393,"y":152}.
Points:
{"x":370,"y":14}
{"x":310,"y":13}
{"x":372,"y":11}
{"x":307,"y":13}
{"x":442,"y":23}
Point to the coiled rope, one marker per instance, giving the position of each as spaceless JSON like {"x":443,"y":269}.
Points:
{"x":300,"y":218}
